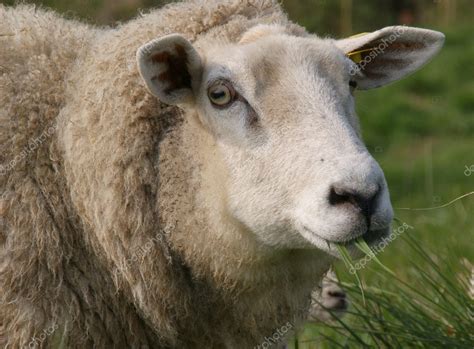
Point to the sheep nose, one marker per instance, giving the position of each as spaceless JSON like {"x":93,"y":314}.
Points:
{"x":364,"y":201}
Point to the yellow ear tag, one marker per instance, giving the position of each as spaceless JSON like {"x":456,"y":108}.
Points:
{"x":356,"y":56}
{"x":357,"y":35}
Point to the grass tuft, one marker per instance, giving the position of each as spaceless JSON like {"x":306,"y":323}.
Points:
{"x":427,"y":308}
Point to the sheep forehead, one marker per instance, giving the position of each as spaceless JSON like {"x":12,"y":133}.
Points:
{"x":282,"y":59}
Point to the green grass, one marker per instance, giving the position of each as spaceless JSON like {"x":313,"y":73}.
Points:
{"x":421,"y":132}
{"x":426,"y":308}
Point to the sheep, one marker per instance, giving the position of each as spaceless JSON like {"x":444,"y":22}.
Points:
{"x":182,"y":180}
{"x":328,"y":301}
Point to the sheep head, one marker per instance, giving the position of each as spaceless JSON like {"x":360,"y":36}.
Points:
{"x":280,"y":108}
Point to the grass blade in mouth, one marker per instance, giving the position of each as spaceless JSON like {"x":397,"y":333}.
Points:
{"x":361,"y":244}
{"x":348,"y":262}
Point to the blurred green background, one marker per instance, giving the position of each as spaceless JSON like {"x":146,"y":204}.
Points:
{"x":420,"y":129}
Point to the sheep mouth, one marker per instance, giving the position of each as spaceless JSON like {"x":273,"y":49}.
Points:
{"x":371,"y":237}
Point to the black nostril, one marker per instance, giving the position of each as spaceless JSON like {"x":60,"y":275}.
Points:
{"x":364,"y":202}
{"x":338,"y":196}
{"x":337,"y":294}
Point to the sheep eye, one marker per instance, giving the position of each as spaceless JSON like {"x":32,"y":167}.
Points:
{"x":353,"y":84}
{"x":221,"y":94}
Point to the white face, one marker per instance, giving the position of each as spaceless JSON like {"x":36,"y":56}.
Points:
{"x":298,"y":173}
{"x":281,"y":110}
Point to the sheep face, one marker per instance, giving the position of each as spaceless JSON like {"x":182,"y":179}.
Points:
{"x":280,"y":109}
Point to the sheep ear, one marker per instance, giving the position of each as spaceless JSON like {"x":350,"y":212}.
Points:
{"x":389,"y":54}
{"x":171,"y":68}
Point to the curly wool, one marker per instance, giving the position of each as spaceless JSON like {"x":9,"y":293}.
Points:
{"x":100,"y":236}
